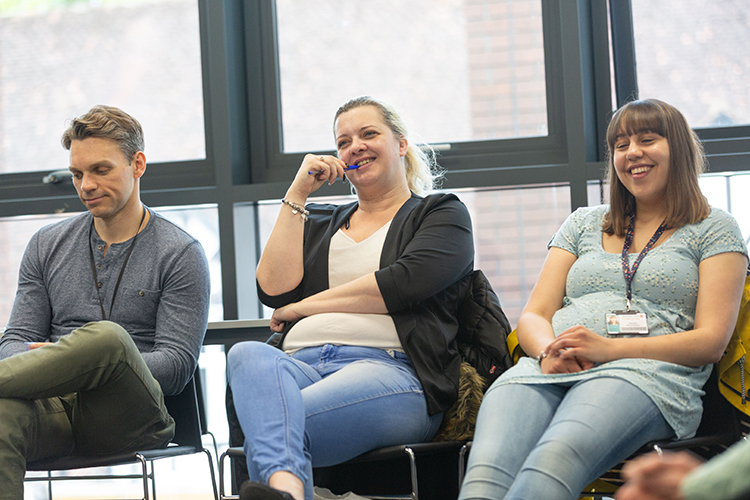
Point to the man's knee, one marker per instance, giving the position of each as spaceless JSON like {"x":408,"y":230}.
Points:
{"x":103,"y":337}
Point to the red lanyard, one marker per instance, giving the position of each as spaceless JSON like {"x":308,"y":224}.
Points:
{"x":626,"y":270}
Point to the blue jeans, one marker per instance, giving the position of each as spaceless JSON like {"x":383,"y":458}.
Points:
{"x":323,"y":405}
{"x":551,"y":440}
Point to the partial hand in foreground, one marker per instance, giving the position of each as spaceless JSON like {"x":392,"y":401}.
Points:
{"x":656,"y":477}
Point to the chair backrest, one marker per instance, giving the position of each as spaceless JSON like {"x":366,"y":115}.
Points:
{"x":719,"y":416}
{"x":184,"y":410}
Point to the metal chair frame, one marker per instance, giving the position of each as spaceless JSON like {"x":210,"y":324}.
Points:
{"x":411,"y":451}
{"x":185,"y":410}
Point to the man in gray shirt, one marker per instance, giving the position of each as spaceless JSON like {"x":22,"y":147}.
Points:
{"x":109,"y":315}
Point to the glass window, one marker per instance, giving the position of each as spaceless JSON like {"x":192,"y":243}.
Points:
{"x":60,"y":58}
{"x":725,"y":191}
{"x":463,"y":70}
{"x":15,"y":232}
{"x":202,"y":222}
{"x":512,"y":227}
{"x":692,"y":54}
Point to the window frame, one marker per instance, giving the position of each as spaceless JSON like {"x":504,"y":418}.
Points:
{"x":727,"y":148}
{"x":471,"y":163}
{"x":244,"y":166}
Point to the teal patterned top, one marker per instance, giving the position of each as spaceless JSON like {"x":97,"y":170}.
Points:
{"x":665,"y":287}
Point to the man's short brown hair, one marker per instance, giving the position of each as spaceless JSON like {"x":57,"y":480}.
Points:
{"x":107,"y":122}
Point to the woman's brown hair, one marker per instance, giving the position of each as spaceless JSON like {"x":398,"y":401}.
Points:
{"x":685,"y":201}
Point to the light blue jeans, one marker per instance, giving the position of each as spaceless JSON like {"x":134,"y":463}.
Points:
{"x":323,"y":406}
{"x":548,"y":441}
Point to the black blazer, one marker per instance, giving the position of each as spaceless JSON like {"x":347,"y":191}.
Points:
{"x":428,"y":249}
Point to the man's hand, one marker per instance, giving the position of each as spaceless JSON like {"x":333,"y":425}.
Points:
{"x":36,"y":345}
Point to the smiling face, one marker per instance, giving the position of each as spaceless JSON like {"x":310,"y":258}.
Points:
{"x":642,"y":163}
{"x":363,"y":138}
{"x":105,"y":180}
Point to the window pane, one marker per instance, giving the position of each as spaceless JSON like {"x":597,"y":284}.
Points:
{"x":56,"y":62}
{"x":202,"y":222}
{"x":716,"y":189}
{"x":739,"y":202}
{"x":512,"y":227}
{"x":15,"y":232}
{"x":462,"y":70}
{"x":693,"y":54}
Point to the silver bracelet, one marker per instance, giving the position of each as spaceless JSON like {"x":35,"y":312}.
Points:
{"x":296,"y":209}
{"x":542,"y":355}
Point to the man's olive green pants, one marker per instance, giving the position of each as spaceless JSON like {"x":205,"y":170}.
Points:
{"x":89,"y":394}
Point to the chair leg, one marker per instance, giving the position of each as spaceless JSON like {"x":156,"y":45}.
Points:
{"x":413,"y":468}
{"x":49,"y":484}
{"x":153,"y":481}
{"x":213,"y":440}
{"x":211,"y":469}
{"x":462,"y":464}
{"x":222,"y":493}
{"x":144,"y":470}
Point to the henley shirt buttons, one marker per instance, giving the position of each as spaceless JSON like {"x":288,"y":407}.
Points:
{"x":99,"y":285}
{"x":98,"y":247}
{"x":98,"y":266}
{"x":140,"y":292}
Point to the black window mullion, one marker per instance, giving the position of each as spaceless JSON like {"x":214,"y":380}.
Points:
{"x":623,"y":50}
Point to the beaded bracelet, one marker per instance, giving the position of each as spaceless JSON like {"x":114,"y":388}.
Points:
{"x":542,"y":355}
{"x":296,"y":209}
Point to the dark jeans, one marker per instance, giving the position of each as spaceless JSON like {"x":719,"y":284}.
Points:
{"x":90,"y":393}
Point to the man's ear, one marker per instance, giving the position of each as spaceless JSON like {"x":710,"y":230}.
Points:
{"x":139,"y":164}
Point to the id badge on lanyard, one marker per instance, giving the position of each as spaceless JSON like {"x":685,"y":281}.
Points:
{"x":626,"y":323}
{"x":630,"y":321}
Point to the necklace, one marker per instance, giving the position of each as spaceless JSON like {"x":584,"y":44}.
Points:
{"x":98,"y":285}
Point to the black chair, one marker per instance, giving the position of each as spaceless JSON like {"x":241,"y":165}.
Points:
{"x":187,"y":441}
{"x":391,"y":472}
{"x":720,"y":427}
{"x":381,"y":473}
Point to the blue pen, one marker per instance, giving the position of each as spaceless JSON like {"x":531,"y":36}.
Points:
{"x":346,"y":169}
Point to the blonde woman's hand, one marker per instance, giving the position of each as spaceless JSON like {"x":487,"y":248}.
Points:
{"x":284,"y":315}
{"x":314,"y":171}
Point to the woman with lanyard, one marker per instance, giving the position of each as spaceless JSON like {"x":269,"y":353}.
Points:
{"x":634,"y":303}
